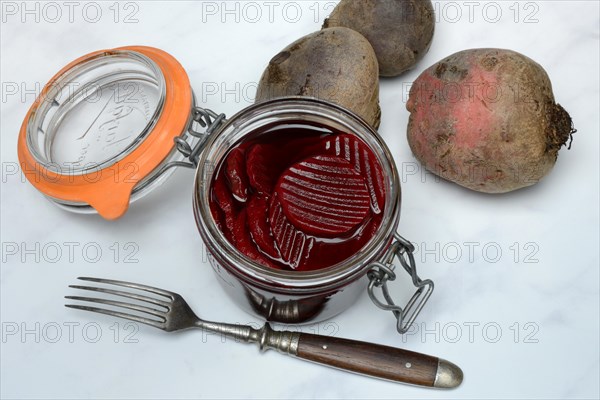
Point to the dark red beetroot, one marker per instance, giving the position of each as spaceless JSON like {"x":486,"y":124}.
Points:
{"x":260,"y":165}
{"x":260,"y":230}
{"x":295,"y":246}
{"x":243,"y":241}
{"x":311,"y":199}
{"x":359,"y":155}
{"x":264,"y":161}
{"x":236,"y":174}
{"x":224,"y":200}
{"x":323,"y":196}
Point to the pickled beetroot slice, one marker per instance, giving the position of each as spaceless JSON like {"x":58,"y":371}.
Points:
{"x":243,"y":242}
{"x":358,"y":154}
{"x":260,"y":166}
{"x":294,"y":245}
{"x":324,"y":196}
{"x":225,"y":202}
{"x":217,"y":216}
{"x":235,"y":171}
{"x":260,"y":230}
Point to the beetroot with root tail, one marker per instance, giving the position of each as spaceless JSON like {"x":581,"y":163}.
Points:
{"x":486,"y":119}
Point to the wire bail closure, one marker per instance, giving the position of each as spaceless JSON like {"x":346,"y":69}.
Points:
{"x":192,"y":146}
{"x":205,"y":118}
{"x":382,"y":271}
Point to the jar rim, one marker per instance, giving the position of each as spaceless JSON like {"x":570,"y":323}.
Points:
{"x":283,"y":109}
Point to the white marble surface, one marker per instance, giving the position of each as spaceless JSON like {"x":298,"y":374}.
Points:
{"x":521,"y":324}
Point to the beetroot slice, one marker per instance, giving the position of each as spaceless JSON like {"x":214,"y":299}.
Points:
{"x":260,"y":231}
{"x":225,"y":202}
{"x":235,"y":171}
{"x":243,"y":242}
{"x":294,"y":245}
{"x":324,"y":196}
{"x":219,"y":219}
{"x":261,"y":166}
{"x":216,"y":213}
{"x":326,"y":253}
{"x":300,"y":148}
{"x":358,"y":241}
{"x":358,"y":154}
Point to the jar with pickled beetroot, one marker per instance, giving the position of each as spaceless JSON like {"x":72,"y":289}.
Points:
{"x":299,"y":199}
{"x":296,"y":199}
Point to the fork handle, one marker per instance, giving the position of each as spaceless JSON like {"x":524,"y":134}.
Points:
{"x":379,"y":361}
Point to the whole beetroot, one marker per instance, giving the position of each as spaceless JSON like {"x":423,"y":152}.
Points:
{"x":336,"y":64}
{"x":486,"y":119}
{"x":400,"y":31}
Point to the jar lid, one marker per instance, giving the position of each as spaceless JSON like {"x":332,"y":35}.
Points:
{"x":103,"y":126}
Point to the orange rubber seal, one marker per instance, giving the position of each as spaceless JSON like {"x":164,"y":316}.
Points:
{"x":108,"y":190}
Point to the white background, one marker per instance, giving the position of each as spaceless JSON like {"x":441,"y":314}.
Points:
{"x":519,"y":313}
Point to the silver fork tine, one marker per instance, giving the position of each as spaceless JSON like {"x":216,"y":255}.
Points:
{"x":130,"y":306}
{"x":123,"y":294}
{"x":130,"y":285}
{"x":147,"y":321}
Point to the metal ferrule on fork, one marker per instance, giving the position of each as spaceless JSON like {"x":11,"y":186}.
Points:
{"x":285,"y":342}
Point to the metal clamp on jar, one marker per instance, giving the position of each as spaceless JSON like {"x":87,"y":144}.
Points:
{"x":112,"y":125}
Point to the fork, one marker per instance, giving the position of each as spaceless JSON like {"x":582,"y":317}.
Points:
{"x":170,"y":312}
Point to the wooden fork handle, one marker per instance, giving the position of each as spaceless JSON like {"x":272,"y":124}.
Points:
{"x":379,"y":361}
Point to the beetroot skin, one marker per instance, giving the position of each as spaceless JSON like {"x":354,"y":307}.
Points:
{"x":486,"y":119}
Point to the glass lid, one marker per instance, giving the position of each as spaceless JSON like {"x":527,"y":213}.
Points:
{"x":96,"y":113}
{"x":106,"y":127}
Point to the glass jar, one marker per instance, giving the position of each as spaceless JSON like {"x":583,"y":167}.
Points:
{"x":113,"y":124}
{"x":293,"y":296}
